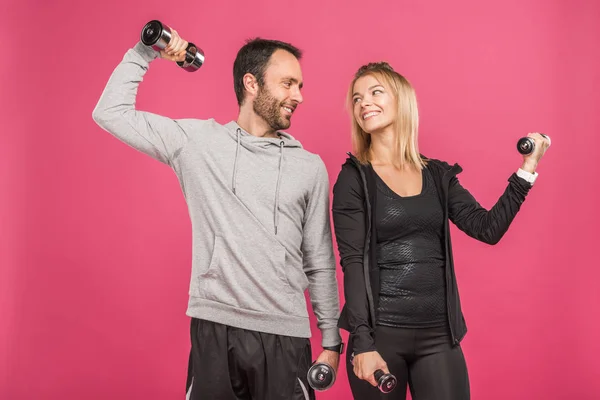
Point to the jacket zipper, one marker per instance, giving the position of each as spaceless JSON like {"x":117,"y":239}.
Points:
{"x":367,"y":243}
{"x":445,"y":184}
{"x":447,"y":228}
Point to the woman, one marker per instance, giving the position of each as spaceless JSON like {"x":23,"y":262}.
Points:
{"x":391,"y":210}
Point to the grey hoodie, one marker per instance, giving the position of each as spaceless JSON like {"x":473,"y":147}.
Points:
{"x":259,"y":209}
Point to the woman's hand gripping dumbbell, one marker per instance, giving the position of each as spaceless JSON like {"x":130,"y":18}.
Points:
{"x":381,"y":377}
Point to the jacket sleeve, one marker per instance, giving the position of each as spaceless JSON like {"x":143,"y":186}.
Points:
{"x":486,"y":226}
{"x":319,"y":260}
{"x":155,"y":135}
{"x":350,"y":231}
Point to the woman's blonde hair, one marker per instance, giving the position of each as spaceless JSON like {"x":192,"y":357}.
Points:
{"x":407,"y":122}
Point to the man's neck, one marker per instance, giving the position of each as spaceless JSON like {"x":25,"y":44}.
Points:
{"x":254,"y":125}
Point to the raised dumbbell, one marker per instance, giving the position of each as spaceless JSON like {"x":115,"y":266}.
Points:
{"x":157,"y":35}
{"x":526,"y":145}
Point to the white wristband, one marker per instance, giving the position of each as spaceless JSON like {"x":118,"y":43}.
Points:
{"x":528,"y":176}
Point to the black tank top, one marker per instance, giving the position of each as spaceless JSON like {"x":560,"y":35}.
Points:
{"x":410,"y":256}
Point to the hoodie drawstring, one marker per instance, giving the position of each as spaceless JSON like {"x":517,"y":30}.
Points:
{"x":237,"y":152}
{"x":276,"y":210}
{"x":234,"y":180}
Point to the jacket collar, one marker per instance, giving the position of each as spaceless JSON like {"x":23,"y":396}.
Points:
{"x":449,"y":171}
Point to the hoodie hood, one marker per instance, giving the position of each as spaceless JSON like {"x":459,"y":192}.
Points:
{"x":260,"y":144}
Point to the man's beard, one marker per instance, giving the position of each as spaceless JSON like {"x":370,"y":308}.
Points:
{"x":269,"y":108}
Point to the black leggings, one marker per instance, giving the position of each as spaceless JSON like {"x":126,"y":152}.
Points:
{"x":423,"y":359}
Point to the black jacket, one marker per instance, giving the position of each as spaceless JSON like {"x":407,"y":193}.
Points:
{"x":353,"y":215}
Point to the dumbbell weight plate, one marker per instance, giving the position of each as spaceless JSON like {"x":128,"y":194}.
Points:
{"x":321,"y":376}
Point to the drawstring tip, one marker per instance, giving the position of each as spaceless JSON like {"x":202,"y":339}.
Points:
{"x":276,"y":230}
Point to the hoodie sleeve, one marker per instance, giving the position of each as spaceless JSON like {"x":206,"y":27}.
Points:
{"x":157,"y":136}
{"x":319,"y":260}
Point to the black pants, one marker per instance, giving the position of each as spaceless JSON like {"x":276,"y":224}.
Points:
{"x":228,"y":363}
{"x":423,"y":359}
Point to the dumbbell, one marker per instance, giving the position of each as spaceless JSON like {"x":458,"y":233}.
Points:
{"x":526,"y":145}
{"x":157,"y":35}
{"x":385,"y":382}
{"x":321,"y":376}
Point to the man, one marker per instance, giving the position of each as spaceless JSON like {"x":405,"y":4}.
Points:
{"x":259,"y":207}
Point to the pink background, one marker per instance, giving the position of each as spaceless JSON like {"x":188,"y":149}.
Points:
{"x":95,"y":237}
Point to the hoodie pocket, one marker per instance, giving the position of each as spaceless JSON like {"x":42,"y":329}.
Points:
{"x":243,"y":275}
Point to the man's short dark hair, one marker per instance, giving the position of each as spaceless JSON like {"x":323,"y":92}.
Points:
{"x":253,"y":58}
